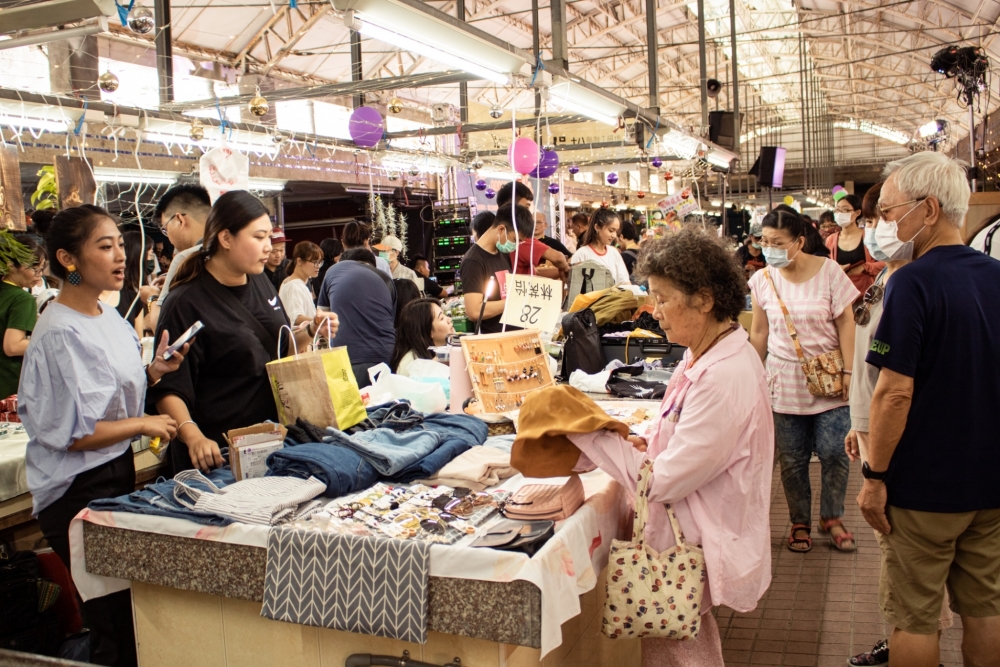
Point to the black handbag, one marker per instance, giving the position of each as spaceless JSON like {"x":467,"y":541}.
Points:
{"x":623,"y":383}
{"x":582,"y":350}
{"x":524,"y":536}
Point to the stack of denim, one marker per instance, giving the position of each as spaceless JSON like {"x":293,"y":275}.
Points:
{"x":158,"y":499}
{"x":340,"y":468}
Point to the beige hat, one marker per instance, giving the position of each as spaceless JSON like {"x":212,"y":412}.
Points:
{"x":390,"y":243}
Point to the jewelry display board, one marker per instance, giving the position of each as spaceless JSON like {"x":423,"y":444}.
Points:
{"x":506,"y":367}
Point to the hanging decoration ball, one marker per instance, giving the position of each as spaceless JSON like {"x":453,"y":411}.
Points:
{"x":553,"y":188}
{"x":604,"y":204}
{"x":612,"y":178}
{"x":414,"y":171}
{"x":573,"y":169}
{"x":481,"y":185}
{"x":547,"y":164}
{"x":640,"y":194}
{"x":668,"y":175}
{"x":366,"y":127}
{"x":491,"y":193}
{"x":394,"y":176}
{"x":258,"y":105}
{"x":477,"y":164}
{"x":108,"y":82}
{"x":789,"y":200}
{"x":523,"y":155}
{"x":656,"y":162}
{"x":196,"y":131}
{"x":140,"y":20}
{"x":496,"y":111}
{"x":277,"y":138}
{"x":395,"y":105}
{"x":548,"y":147}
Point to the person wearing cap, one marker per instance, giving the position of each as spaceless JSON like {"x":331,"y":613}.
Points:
{"x":274,"y":269}
{"x":750,"y":255}
{"x":390,"y":248}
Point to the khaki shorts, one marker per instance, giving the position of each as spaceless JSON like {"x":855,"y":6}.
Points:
{"x":927,"y":551}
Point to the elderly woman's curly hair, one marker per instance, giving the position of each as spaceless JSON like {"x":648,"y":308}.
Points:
{"x":693,"y":262}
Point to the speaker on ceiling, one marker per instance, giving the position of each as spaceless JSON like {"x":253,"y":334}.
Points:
{"x":723,"y":128}
{"x":769,"y":167}
{"x":713,"y":86}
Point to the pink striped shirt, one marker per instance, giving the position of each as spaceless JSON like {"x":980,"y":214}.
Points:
{"x":813,"y":305}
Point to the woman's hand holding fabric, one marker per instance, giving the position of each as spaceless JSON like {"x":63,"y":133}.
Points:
{"x":204,"y":453}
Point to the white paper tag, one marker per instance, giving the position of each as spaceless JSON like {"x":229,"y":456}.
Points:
{"x":533,"y":302}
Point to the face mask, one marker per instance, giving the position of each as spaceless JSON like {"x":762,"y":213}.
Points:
{"x":148,"y":267}
{"x":755,"y":245}
{"x":507,"y":246}
{"x":872,"y":244}
{"x":887,"y":238}
{"x":777,"y":257}
{"x":384,"y":255}
{"x":843,"y":219}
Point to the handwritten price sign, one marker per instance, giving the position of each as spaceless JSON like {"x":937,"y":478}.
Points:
{"x":533,"y":302}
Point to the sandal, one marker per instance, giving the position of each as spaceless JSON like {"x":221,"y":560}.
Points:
{"x":879,"y":655}
{"x":826,"y":526}
{"x":793,"y":541}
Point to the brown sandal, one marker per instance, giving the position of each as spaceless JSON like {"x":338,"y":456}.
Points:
{"x":838,"y":540}
{"x":807,"y":540}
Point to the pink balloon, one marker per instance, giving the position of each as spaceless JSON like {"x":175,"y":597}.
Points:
{"x":523,"y":155}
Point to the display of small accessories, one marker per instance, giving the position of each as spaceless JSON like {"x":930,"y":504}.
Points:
{"x":441,"y":514}
{"x":506,"y":367}
{"x":8,"y":409}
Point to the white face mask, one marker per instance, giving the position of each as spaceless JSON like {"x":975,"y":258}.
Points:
{"x":887,"y":238}
{"x":872,"y":244}
{"x":843,"y":219}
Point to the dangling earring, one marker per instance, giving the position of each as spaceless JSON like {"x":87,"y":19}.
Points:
{"x":73,"y":276}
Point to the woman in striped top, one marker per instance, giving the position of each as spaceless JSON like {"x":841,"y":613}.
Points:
{"x":818,"y":296}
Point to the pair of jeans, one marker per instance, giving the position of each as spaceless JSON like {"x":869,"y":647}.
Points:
{"x":796,"y":438}
{"x":388,"y":451}
{"x":112,"y":634}
{"x":397,"y":415}
{"x":461,"y":433}
{"x":342,"y":469}
{"x":157,"y":499}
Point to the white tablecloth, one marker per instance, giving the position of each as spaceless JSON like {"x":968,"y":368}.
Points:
{"x":13,"y":475}
{"x":565,"y":568}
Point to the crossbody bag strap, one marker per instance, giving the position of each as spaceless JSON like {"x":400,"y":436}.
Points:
{"x":242,"y":313}
{"x":642,"y":501}
{"x":788,"y":319}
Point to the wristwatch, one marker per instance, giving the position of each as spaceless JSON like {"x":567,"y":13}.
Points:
{"x":868,"y":473}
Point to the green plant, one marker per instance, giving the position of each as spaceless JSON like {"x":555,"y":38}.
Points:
{"x":13,"y":251}
{"x":46,"y":195}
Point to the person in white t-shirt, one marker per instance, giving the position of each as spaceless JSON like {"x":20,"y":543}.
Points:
{"x":988,"y":239}
{"x":294,"y":293}
{"x":597,"y":244}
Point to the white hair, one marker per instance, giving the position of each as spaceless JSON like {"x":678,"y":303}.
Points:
{"x":931,"y":174}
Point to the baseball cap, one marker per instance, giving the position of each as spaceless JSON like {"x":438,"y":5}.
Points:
{"x":390,"y":243}
{"x":278,"y":236}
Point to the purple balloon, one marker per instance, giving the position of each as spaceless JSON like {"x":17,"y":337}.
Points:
{"x":656,"y":162}
{"x":573,"y":169}
{"x":491,"y":193}
{"x":547,"y":165}
{"x":553,"y":188}
{"x":612,"y":178}
{"x":480,"y":185}
{"x":366,"y":127}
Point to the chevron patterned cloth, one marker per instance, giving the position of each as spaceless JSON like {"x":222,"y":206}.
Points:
{"x":369,"y":585}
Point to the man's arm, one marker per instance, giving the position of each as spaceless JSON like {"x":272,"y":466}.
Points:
{"x":474,"y":301}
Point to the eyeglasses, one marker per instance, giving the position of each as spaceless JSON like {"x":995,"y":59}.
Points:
{"x":163,"y":227}
{"x":862,"y":312}
{"x":882,"y":209}
{"x":318,"y":263}
{"x":767,"y":244}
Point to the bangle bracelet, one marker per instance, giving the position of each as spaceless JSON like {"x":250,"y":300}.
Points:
{"x":182,"y":425}
{"x":150,"y":382}
{"x":848,"y":373}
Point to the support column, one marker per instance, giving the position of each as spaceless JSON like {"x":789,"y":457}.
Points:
{"x":560,"y":47}
{"x":535,"y":46}
{"x":802,"y":103}
{"x":736,"y":78}
{"x":359,"y":99}
{"x":702,"y":63}
{"x":164,"y":51}
{"x":463,"y":87}
{"x":652,"y":59}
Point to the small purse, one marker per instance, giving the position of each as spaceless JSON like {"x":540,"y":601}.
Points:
{"x":545,"y":501}
{"x":653,"y":594}
{"x":527,"y":537}
{"x":825,"y":373}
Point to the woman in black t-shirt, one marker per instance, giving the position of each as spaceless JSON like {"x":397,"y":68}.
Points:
{"x":222,"y":383}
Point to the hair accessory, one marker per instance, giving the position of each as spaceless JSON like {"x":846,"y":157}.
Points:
{"x":73,"y":276}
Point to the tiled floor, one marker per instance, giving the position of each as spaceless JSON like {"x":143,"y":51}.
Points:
{"x":822,"y":606}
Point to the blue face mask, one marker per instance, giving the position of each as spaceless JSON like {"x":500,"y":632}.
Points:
{"x":506,"y":247}
{"x":755,"y":245}
{"x":384,"y":255}
{"x":777,"y":257}
{"x":873,"y":247}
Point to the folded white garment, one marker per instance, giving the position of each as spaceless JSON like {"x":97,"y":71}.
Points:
{"x":594,"y":384}
{"x":477,"y":469}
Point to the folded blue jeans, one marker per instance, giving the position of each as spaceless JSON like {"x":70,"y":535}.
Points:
{"x":388,"y":451}
{"x":342,"y":469}
{"x":397,"y":415}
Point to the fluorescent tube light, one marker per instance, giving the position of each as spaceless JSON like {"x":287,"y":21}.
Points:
{"x":269,"y":184}
{"x":366,"y":26}
{"x":152,"y":177}
{"x":585,"y":102}
{"x":33,"y":123}
{"x":43,"y":36}
{"x":719,"y":160}
{"x":374,"y":190}
{"x":716,"y":203}
{"x":681,"y":144}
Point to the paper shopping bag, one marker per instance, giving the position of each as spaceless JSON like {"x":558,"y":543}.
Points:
{"x":317,"y":386}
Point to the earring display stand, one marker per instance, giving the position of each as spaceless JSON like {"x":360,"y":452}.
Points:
{"x":506,"y":367}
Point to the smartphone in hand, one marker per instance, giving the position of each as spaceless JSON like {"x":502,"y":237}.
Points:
{"x":185,"y":337}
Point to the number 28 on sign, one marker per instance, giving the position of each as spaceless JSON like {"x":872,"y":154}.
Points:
{"x":533,"y":302}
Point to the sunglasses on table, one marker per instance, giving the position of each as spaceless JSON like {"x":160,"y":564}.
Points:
{"x":862,"y":311}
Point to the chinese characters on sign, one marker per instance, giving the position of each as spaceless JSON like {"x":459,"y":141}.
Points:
{"x":533,"y":302}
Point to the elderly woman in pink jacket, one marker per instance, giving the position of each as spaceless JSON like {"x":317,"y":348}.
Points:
{"x":713,"y":447}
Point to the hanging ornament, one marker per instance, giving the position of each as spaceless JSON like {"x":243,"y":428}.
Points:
{"x":548,"y":147}
{"x":277,"y":138}
{"x":395,"y":105}
{"x":394,"y":176}
{"x":668,"y":175}
{"x":640,"y":194}
{"x":612,"y":178}
{"x":553,"y":188}
{"x":366,"y":127}
{"x":258,"y":105}
{"x":196,"y":131}
{"x":414,"y":171}
{"x":656,"y":162}
{"x":604,"y":204}
{"x":108,"y":82}
{"x":491,"y":193}
{"x":789,"y":200}
{"x":140,"y":20}
{"x":496,"y":111}
{"x":573,"y":169}
{"x":523,"y":155}
{"x":477,"y":163}
{"x":547,"y":164}
{"x":481,"y":185}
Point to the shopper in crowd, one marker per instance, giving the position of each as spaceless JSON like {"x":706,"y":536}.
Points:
{"x":524,"y":194}
{"x":136,"y":292}
{"x":41,"y":221}
{"x":628,"y":244}
{"x":750,"y":255}
{"x":827,"y":224}
{"x":359,"y":235}
{"x":541,"y":226}
{"x":937,"y":510}
{"x":393,"y":249}
{"x":814,"y":241}
{"x":817,"y":296}
{"x":534,"y":257}
{"x":332,"y":250}
{"x":423,"y":270}
{"x":274,"y":268}
{"x":577,"y":228}
{"x":300,"y":306}
{"x":18,"y":310}
{"x":81,"y":402}
{"x":486,"y":259}
{"x":422,"y":324}
{"x":712,"y":445}
{"x":987,"y":239}
{"x":847,"y":246}
{"x":222,"y":384}
{"x":365,"y":300}
{"x":597,"y":245}
{"x":481,"y":224}
{"x":406,"y":291}
{"x":181,"y":213}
